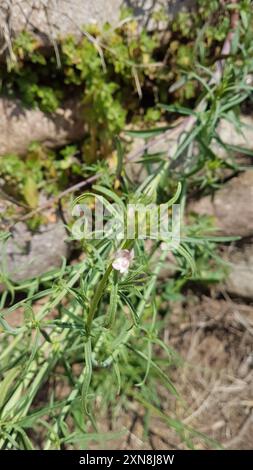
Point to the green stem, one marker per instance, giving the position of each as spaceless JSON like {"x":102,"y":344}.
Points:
{"x":127,"y":244}
{"x":97,"y":297}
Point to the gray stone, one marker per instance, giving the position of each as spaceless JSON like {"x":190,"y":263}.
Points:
{"x":53,"y":18}
{"x":168,"y":141}
{"x":240,"y":279}
{"x":231,"y":206}
{"x":26,"y":254}
{"x":20,"y":126}
{"x":238,"y":136}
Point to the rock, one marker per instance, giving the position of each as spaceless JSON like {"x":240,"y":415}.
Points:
{"x":240,"y":137}
{"x":231,"y":206}
{"x":240,"y":278}
{"x":20,"y":126}
{"x":169,"y":140}
{"x":50,"y":19}
{"x":26,"y":254}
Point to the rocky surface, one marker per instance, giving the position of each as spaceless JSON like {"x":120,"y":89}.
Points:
{"x":20,"y":126}
{"x":228,"y":133}
{"x":26,"y":254}
{"x":50,"y":19}
{"x":231,"y":206}
{"x":240,"y":279}
{"x":239,"y":136}
{"x":232,"y":210}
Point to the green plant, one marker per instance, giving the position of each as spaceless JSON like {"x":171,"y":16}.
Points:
{"x":39,"y":170}
{"x":111,"y":70}
{"x":99,"y":332}
{"x":107,"y":320}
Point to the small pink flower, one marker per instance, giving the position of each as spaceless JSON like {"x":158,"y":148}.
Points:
{"x":164,"y":246}
{"x":122,"y":260}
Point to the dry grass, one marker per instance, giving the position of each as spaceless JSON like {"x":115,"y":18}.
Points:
{"x":214,"y":337}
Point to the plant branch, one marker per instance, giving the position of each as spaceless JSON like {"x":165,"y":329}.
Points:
{"x":52,"y":201}
{"x":186,"y":124}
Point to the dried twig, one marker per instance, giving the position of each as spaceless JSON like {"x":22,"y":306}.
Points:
{"x":52,"y":38}
{"x":233,"y":443}
{"x":55,"y":199}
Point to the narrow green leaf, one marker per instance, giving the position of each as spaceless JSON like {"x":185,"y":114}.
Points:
{"x":7,"y":383}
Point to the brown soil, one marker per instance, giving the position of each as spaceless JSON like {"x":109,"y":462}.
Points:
{"x":214,"y":338}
